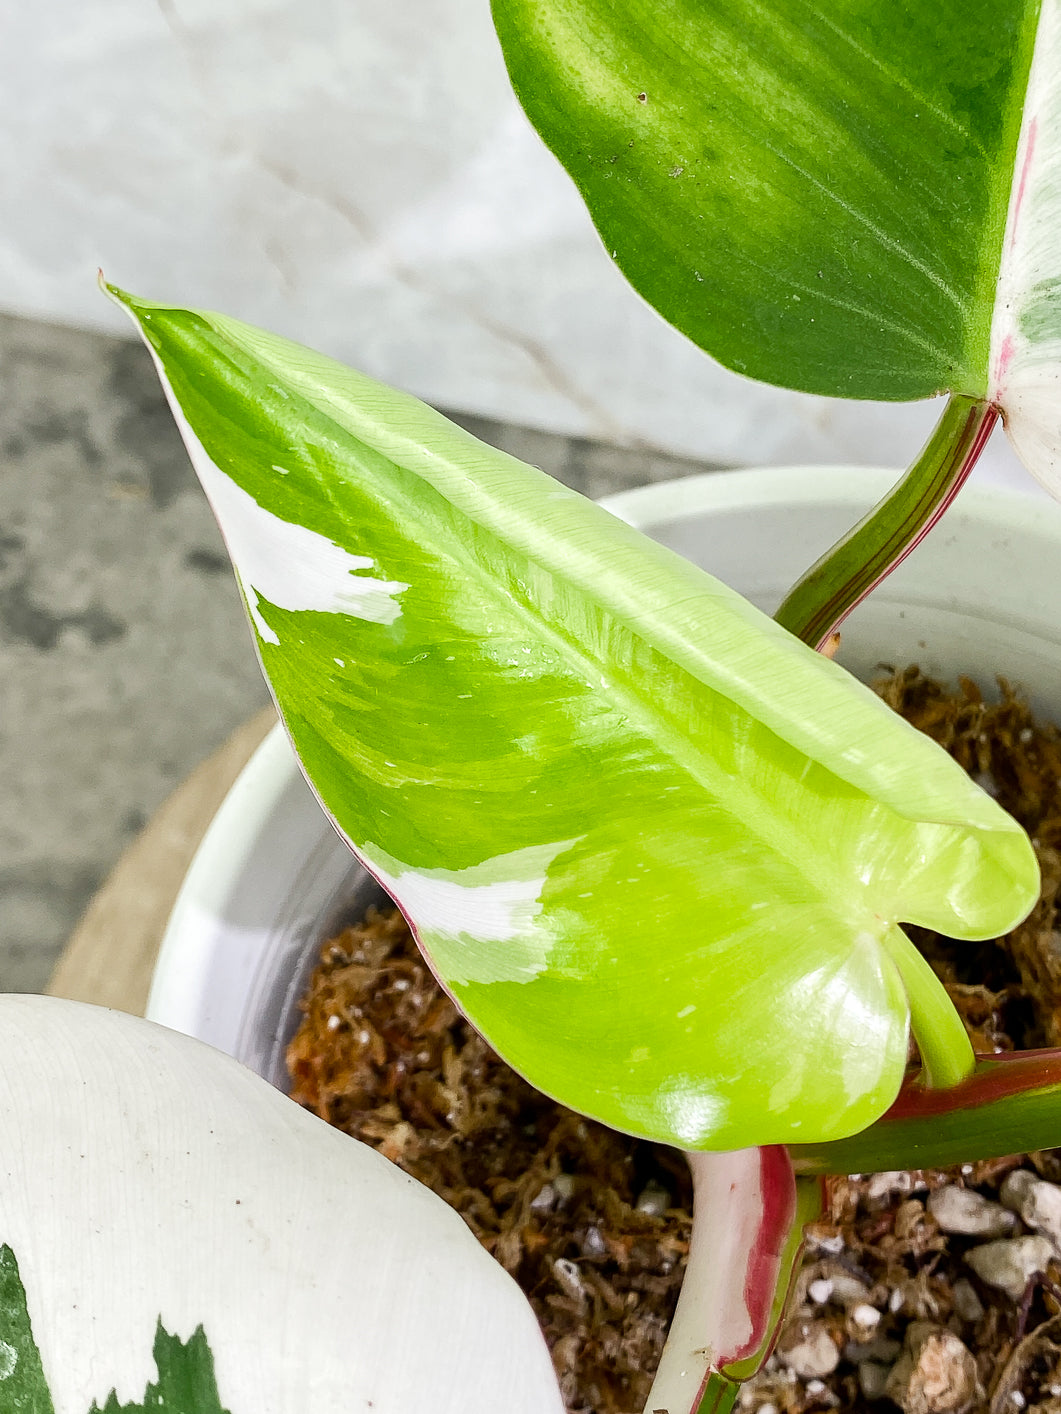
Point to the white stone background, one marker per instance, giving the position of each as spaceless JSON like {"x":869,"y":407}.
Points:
{"x":357,"y":175}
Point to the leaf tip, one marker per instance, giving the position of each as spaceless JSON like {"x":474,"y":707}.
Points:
{"x":125,"y":301}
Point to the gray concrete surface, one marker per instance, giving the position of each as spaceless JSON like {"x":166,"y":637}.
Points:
{"x":124,"y":656}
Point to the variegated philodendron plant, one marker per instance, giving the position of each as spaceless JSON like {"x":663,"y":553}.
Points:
{"x":657,"y":847}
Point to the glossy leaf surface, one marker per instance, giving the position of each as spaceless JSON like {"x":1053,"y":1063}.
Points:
{"x":176,"y":1234}
{"x":851,"y":197}
{"x":653,"y":845}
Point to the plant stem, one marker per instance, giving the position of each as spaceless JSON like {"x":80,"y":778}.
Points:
{"x":946,"y":1051}
{"x":720,"y":1394}
{"x":749,"y":1212}
{"x":1011,"y":1103}
{"x":824,"y":597}
{"x":844,"y":575}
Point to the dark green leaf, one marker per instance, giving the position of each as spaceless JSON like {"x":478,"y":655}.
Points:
{"x":814,"y":191}
{"x":185,"y":1384}
{"x":23,"y":1388}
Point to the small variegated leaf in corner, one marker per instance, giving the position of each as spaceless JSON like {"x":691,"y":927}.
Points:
{"x":181,"y":1183}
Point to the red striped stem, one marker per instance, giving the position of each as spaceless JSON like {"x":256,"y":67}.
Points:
{"x":1011,"y":1103}
{"x":842,"y":578}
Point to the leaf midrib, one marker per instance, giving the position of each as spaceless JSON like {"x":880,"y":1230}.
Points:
{"x":768,"y":825}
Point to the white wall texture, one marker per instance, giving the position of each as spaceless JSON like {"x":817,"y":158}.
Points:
{"x":356,"y":175}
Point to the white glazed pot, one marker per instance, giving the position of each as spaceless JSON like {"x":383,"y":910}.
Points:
{"x":271,"y":880}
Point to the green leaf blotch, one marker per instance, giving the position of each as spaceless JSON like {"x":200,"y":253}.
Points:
{"x":23,"y":1388}
{"x":186,"y":1383}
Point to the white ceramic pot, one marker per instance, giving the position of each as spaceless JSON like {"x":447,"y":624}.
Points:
{"x":271,"y":880}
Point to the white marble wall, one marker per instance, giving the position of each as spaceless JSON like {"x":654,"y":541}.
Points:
{"x":356,"y":174}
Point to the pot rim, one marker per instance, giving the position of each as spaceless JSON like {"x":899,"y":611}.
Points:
{"x":798,"y":484}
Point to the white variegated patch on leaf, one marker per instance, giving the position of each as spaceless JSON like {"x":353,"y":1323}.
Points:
{"x":1026,"y":332}
{"x":160,"y":1205}
{"x":285,"y":563}
{"x":497,"y":905}
{"x":656,"y":848}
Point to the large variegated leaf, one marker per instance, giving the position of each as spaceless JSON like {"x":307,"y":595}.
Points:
{"x":175,"y":1234}
{"x":653,"y":845}
{"x":851,"y":197}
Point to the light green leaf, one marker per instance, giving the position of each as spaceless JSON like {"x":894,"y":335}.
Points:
{"x":655,"y":847}
{"x":852,"y":197}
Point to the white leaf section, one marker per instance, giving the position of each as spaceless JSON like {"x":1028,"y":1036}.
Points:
{"x":146,"y":1175}
{"x":497,"y":901}
{"x":286,"y":564}
{"x":1025,"y":358}
{"x":712,"y":1317}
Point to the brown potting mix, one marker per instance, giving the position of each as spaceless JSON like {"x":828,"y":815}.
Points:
{"x":936,"y":1291}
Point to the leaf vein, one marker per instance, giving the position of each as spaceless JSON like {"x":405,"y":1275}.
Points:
{"x":888,"y":242}
{"x":899,"y":80}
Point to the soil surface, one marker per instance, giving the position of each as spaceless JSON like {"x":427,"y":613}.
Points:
{"x":937,"y":1291}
